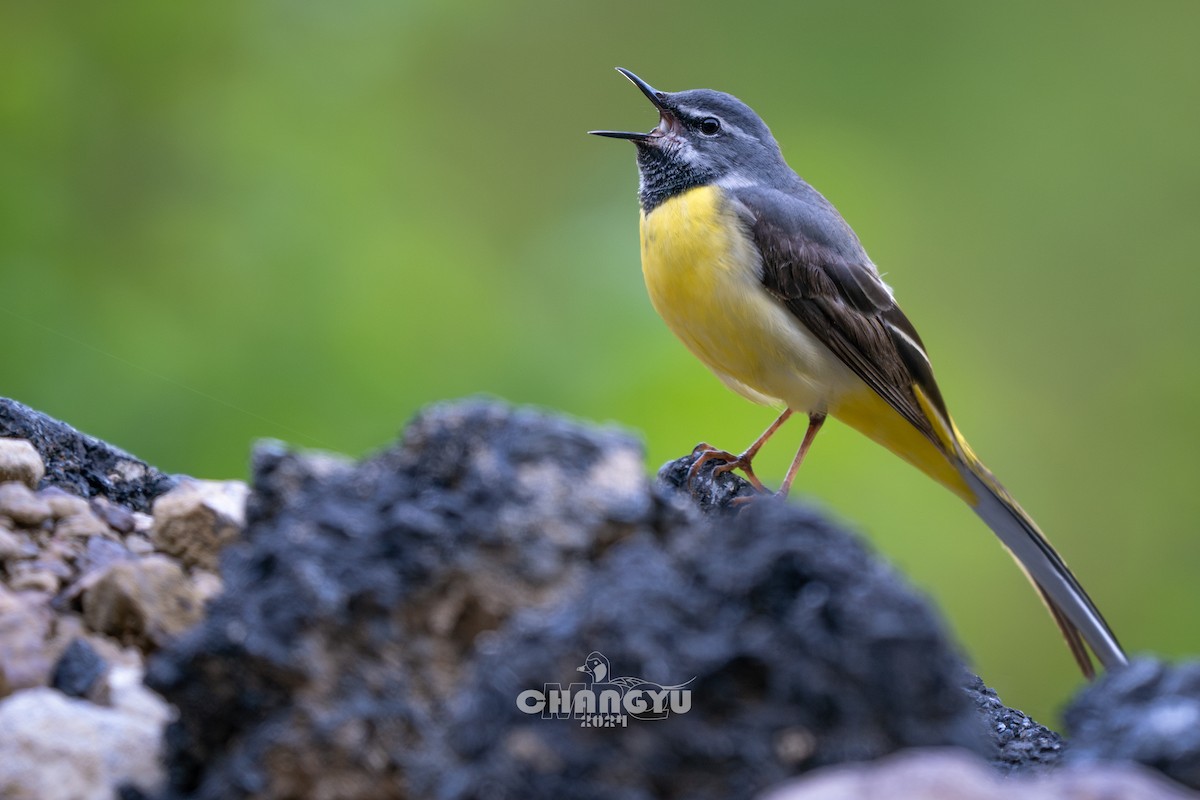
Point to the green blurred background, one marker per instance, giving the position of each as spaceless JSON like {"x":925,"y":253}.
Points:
{"x":305,"y":220}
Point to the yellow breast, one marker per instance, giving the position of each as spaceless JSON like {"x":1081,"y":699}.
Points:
{"x":702,"y":272}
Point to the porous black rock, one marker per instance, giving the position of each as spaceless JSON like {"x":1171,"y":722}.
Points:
{"x":802,"y":648}
{"x":82,"y":464}
{"x":713,"y":492}
{"x":353,"y":601}
{"x":1148,"y":712}
{"x":1018,"y":742}
{"x":380,"y":620}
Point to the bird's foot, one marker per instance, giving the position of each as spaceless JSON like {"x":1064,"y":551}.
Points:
{"x":705,"y":452}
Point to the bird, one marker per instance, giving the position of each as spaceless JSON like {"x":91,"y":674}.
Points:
{"x":765,"y":282}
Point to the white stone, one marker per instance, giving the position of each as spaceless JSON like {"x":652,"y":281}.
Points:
{"x":196,"y":519}
{"x":53,"y":747}
{"x":20,"y":462}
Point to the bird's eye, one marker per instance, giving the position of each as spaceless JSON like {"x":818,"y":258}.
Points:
{"x":710,"y":126}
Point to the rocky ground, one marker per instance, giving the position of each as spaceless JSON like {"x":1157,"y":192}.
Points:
{"x":365,"y":630}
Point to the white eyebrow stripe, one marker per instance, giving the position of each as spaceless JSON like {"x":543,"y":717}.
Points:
{"x":692,"y":111}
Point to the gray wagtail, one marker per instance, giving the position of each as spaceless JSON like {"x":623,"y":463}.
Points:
{"x":765,"y":283}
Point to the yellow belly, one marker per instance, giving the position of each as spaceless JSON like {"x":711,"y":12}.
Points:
{"x":702,"y":273}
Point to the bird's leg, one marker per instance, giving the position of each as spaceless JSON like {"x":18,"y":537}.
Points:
{"x":705,"y":453}
{"x":815,"y":420}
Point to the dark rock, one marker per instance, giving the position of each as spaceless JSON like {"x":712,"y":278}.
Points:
{"x":1018,"y":742}
{"x":711,"y":493}
{"x":805,"y":650}
{"x":117,"y":517}
{"x":81,"y":464}
{"x":359,"y":592}
{"x":380,"y":620}
{"x":78,"y":669}
{"x":101,"y":552}
{"x":1148,"y":712}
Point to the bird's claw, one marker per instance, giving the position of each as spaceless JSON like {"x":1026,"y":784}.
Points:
{"x":705,"y":452}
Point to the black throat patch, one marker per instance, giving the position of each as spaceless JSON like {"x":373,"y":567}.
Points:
{"x":664,"y":175}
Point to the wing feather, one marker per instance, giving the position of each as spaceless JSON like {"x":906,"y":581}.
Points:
{"x":837,"y":294}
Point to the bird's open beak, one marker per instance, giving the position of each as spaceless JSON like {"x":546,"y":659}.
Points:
{"x":659,"y":99}
{"x":653,"y":95}
{"x":584,"y":667}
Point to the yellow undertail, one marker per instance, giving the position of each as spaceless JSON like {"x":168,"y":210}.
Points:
{"x":872,"y":416}
{"x":950,"y":462}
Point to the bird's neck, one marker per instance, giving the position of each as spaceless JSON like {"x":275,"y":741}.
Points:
{"x":663,"y":177}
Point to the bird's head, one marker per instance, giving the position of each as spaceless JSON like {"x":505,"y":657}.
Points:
{"x":702,"y":137}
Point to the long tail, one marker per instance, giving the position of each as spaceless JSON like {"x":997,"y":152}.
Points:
{"x":944,"y":455}
{"x":1077,"y":616}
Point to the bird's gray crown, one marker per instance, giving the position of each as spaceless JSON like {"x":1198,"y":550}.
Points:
{"x":705,"y":137}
